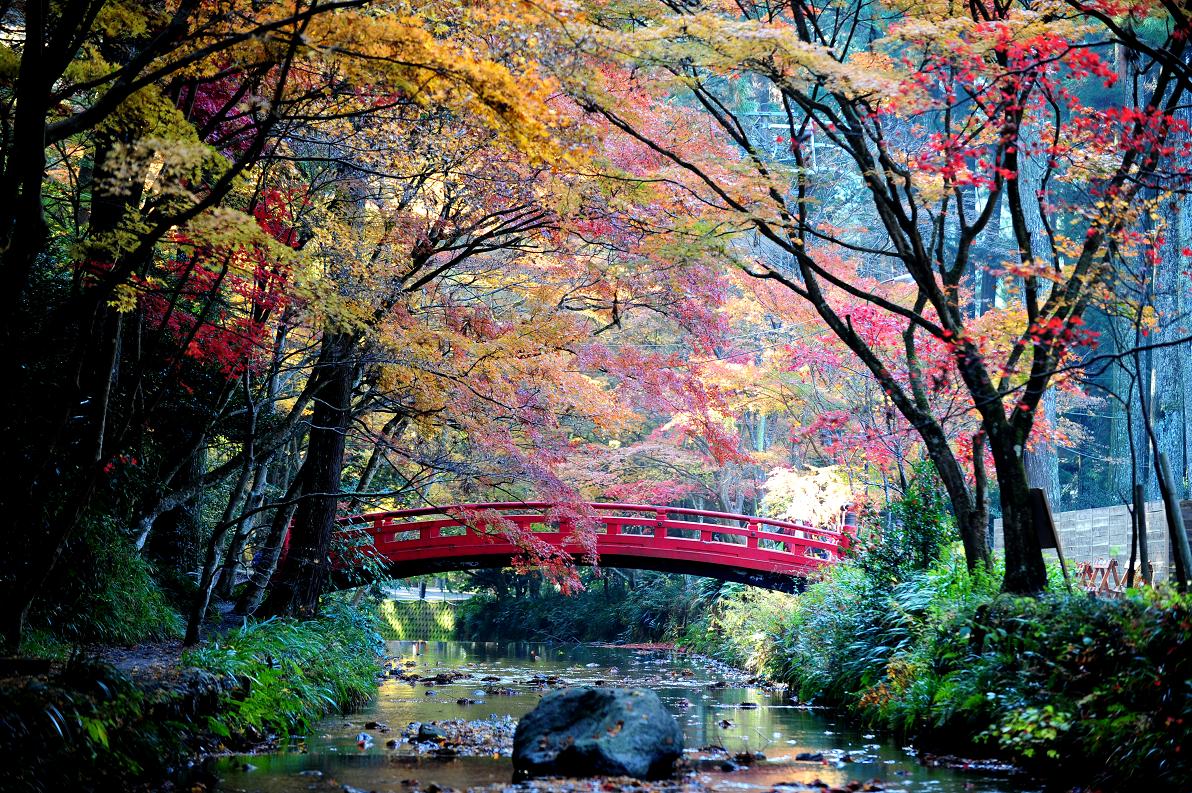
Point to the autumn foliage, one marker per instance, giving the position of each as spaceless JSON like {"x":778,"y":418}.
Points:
{"x":337,"y":254}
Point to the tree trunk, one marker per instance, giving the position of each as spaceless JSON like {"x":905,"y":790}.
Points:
{"x":1180,"y":552}
{"x":266,"y":563}
{"x":392,"y":429}
{"x":211,"y":561}
{"x":1144,"y":556}
{"x":968,"y":506}
{"x":232,"y":559}
{"x":1025,"y":572}
{"x":1042,"y":459}
{"x":304,"y":572}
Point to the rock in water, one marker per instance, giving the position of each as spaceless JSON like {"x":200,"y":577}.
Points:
{"x":588,"y":731}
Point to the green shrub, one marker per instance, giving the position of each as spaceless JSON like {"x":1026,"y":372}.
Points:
{"x":105,"y":592}
{"x":943,"y":656}
{"x":1073,"y":676}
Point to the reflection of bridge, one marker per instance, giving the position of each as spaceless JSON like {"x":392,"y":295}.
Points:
{"x":768,"y":553}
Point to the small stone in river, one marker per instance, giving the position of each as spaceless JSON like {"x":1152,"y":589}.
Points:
{"x":592,"y":666}
{"x":312,"y":772}
{"x":430,"y":693}
{"x":810,"y":757}
{"x":392,"y":743}
{"x":724,"y":724}
{"x":478,"y":692}
{"x":429,"y":732}
{"x":748,"y":706}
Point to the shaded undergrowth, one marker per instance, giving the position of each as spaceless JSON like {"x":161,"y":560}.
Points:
{"x":86,"y":726}
{"x":1098,"y":690}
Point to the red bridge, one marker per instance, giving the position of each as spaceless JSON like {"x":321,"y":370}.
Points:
{"x":774,"y":554}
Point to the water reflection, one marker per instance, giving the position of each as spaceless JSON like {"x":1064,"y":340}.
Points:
{"x":713,"y":705}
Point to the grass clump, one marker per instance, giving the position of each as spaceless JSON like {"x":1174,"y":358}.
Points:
{"x":294,"y":671}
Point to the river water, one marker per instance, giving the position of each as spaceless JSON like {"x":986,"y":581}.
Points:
{"x":706,"y":699}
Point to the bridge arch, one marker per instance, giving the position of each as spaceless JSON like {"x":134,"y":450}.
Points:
{"x":763,"y":552}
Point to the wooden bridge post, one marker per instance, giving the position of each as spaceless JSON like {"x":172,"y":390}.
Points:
{"x":846,"y":540}
{"x":659,"y":526}
{"x":751,"y":540}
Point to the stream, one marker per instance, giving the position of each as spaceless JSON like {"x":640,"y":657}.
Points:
{"x":492,"y":685}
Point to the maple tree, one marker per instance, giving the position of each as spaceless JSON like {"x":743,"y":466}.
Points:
{"x":942,"y":118}
{"x":154,"y":192}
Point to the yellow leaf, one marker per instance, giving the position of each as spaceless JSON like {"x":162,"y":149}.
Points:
{"x":124,"y":298}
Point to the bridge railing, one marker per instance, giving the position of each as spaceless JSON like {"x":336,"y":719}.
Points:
{"x":617,"y":525}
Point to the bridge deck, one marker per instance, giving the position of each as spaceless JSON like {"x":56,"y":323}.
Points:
{"x":760,"y":551}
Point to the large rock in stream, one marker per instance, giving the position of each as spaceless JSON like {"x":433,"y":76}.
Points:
{"x":588,"y":731}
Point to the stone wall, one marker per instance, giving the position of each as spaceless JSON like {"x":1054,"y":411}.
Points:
{"x":1098,"y":535}
{"x":418,"y":620}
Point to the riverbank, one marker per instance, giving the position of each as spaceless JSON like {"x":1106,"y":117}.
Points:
{"x":86,"y":725}
{"x":1071,"y":688}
